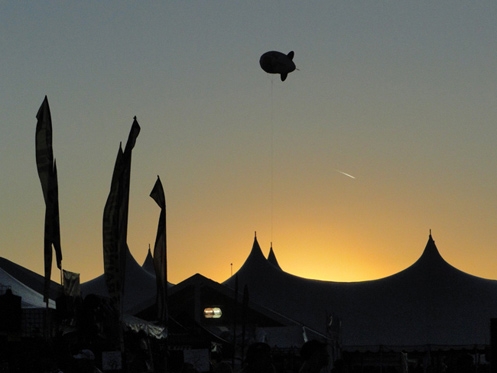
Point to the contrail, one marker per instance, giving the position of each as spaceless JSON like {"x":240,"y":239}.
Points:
{"x":346,"y":174}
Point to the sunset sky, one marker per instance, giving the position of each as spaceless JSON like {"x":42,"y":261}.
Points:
{"x":401,"y":95}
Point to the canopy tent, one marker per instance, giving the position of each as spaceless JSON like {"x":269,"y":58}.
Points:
{"x":429,"y":303}
{"x":29,"y":297}
{"x":139,"y":287}
{"x":26,"y":284}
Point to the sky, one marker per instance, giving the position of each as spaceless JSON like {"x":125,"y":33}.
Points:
{"x":401,"y":95}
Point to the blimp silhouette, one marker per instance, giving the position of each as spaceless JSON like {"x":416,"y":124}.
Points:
{"x":274,"y":62}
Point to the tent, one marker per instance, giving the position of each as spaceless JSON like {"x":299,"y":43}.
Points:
{"x":148,"y":264}
{"x":139,"y":287}
{"x":430,"y":303}
{"x":29,"y":297}
{"x":26,"y":284}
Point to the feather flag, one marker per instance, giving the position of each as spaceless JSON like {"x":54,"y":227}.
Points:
{"x":160,"y":253}
{"x":115,"y":221}
{"x":110,"y":233}
{"x":47,"y":171}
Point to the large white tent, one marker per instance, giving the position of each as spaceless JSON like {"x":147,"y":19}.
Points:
{"x":430,"y":303}
{"x":26,"y":284}
{"x":29,"y":297}
{"x":140,"y":287}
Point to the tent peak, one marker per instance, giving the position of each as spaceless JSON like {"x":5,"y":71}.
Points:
{"x":255,"y":255}
{"x":256,"y":249}
{"x":431,"y":258}
{"x":431,"y":248}
{"x":148,"y":264}
{"x":271,"y":258}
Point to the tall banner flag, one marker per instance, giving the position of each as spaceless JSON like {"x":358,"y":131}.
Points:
{"x":124,"y":197}
{"x":47,"y":171}
{"x":160,"y":253}
{"x":110,"y":230}
{"x":115,"y":222}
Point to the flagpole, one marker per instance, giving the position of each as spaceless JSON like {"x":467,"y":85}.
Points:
{"x":47,"y":326}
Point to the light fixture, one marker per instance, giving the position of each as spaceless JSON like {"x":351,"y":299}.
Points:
{"x":212,"y":313}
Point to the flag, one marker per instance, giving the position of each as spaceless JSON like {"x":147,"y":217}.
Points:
{"x":160,"y":253}
{"x":71,"y":284}
{"x":47,"y":171}
{"x":53,"y":201}
{"x":110,"y":230}
{"x":44,"y":151}
{"x":124,"y":197}
{"x":115,"y":221}
{"x":52,"y":229}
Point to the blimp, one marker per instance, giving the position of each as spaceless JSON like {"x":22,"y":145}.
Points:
{"x":274,"y":62}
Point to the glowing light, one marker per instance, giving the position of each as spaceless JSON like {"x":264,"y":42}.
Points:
{"x":213,"y":313}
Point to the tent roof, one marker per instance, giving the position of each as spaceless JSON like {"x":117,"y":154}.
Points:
{"x":148,"y":264}
{"x":271,"y":258}
{"x":139,"y":286}
{"x":28,"y":278}
{"x":430,"y":302}
{"x":29,"y":297}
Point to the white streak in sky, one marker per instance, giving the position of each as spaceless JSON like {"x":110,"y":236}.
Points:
{"x":346,"y":174}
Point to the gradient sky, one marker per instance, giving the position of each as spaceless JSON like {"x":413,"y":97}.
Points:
{"x":402,"y":95}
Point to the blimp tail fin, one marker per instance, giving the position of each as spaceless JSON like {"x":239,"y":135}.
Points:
{"x":290,"y":55}
{"x":283,"y":76}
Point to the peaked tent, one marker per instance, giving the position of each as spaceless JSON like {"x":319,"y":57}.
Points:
{"x":271,"y":258}
{"x":139,"y":287}
{"x":148,"y":264}
{"x":430,"y":303}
